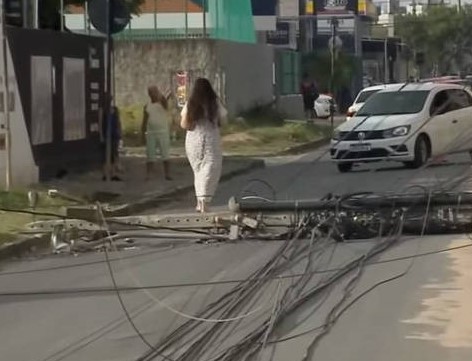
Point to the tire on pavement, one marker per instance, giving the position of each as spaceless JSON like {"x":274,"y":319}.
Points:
{"x":422,"y":153}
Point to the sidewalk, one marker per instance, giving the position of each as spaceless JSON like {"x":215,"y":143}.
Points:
{"x":134,"y":193}
{"x":338,"y":120}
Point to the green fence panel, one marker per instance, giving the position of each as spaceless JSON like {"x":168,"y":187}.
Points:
{"x":288,"y":73}
{"x":232,"y":20}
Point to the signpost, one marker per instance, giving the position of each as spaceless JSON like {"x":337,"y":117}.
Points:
{"x":108,"y":17}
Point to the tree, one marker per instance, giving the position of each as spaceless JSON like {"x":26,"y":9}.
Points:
{"x":442,"y":33}
{"x":318,"y":66}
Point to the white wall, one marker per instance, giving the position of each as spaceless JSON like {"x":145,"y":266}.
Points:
{"x":147,"y":21}
{"x":169,"y":21}
{"x":248,"y":70}
{"x":24,"y":169}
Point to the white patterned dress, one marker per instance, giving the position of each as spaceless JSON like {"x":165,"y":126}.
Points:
{"x":205,"y":154}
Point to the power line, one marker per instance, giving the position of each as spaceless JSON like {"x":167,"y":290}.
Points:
{"x":78,"y":291}
{"x":118,"y":294}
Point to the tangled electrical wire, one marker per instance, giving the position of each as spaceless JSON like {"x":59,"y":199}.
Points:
{"x":193,"y":340}
{"x":199,"y":338}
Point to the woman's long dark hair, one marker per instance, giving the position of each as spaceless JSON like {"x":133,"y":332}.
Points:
{"x":203,"y":102}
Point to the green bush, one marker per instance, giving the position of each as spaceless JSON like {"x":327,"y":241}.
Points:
{"x":262,"y":115}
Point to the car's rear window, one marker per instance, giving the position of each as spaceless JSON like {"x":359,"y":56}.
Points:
{"x":395,"y":102}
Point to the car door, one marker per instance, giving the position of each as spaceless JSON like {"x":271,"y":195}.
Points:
{"x":460,"y":114}
{"x":439,"y":125}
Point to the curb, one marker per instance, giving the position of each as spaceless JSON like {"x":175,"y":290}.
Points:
{"x":304,"y":147}
{"x":27,"y":245}
{"x":40,"y":241}
{"x":89,"y":212}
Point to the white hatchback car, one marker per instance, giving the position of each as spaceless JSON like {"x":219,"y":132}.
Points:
{"x":408,"y":123}
{"x":365,"y":94}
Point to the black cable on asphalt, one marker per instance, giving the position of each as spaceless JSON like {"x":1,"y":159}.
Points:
{"x":343,"y":310}
{"x":122,"y":304}
{"x":373,"y":252}
{"x":334,"y":315}
{"x":262,"y":181}
{"x":90,"y":263}
{"x":71,"y":291}
{"x":84,"y":341}
{"x":118,"y":293}
{"x":253,"y":339}
{"x":246,"y":294}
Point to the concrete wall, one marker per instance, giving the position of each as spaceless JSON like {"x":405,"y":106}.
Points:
{"x":139,"y":64}
{"x":24,"y":171}
{"x":248,"y":70}
{"x":291,"y":106}
{"x":242,"y":73}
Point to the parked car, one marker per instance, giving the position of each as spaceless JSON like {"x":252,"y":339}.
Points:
{"x":362,"y":97}
{"x":407,"y":123}
{"x":322,"y":106}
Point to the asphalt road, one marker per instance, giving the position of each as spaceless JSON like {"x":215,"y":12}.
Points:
{"x":313,"y":176}
{"x":70,"y":311}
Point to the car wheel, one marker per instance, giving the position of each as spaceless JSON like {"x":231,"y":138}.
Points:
{"x":345,"y":167}
{"x":421,"y":153}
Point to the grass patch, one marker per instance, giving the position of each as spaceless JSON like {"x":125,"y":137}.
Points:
{"x":259,"y":130}
{"x":271,"y":139}
{"x":11,"y":223}
{"x":262,"y":115}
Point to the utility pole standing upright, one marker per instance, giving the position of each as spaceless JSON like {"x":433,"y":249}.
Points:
{"x":6,"y":101}
{"x":334,"y":34}
{"x":62,"y":14}
{"x":108,"y":84}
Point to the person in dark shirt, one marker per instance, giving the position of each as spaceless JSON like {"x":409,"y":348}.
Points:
{"x":115,"y":128}
{"x":309,"y":93}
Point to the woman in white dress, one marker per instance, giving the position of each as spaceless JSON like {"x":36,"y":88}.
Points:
{"x":202,"y":117}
